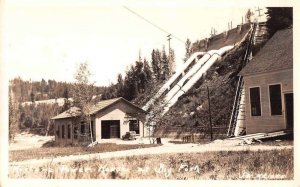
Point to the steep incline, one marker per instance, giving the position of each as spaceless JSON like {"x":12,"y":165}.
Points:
{"x":190,"y":113}
{"x":172,"y":89}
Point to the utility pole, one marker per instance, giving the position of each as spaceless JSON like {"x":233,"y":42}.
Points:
{"x":258,"y":10}
{"x":210,"y":121}
{"x":169,"y":39}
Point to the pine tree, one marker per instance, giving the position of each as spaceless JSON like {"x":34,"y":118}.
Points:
{"x":67,"y":102}
{"x":278,"y":18}
{"x":155,"y":65}
{"x":159,"y":65}
{"x":120,"y":85}
{"x":147,"y":71}
{"x":140,"y":76}
{"x":187,"y":50}
{"x":130,"y":88}
{"x":172,"y":64}
{"x":165,"y":69}
{"x":66,"y":93}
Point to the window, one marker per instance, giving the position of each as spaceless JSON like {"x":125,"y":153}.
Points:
{"x":255,"y":101}
{"x":63,"y":131}
{"x":57,"y":131}
{"x":75,"y":132}
{"x":69,"y":131}
{"x":82,"y":128}
{"x":134,"y":126}
{"x":275,"y":99}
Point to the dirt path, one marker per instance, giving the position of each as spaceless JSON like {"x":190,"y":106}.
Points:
{"x":219,"y":145}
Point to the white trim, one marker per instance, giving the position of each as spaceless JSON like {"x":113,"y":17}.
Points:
{"x":259,"y":100}
{"x":270,"y":113}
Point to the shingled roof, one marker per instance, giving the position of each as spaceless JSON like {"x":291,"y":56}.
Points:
{"x":277,"y":54}
{"x":74,"y":111}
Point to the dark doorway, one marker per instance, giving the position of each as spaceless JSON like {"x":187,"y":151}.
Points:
{"x":110,"y":129}
{"x":289,"y":110}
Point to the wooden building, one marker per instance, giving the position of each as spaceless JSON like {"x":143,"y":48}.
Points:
{"x":109,"y":119}
{"x":268,"y":84}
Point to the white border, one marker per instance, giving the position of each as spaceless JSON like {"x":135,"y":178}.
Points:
{"x":207,"y":3}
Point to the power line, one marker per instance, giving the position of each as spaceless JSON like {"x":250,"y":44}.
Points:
{"x":158,"y":27}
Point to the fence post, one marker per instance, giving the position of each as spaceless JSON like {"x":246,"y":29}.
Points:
{"x":210,"y":121}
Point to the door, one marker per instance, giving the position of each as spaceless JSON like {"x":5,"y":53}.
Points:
{"x":289,"y":110}
{"x":114,"y":132}
{"x":110,"y":129}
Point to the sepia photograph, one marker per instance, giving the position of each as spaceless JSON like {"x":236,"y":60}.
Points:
{"x":156,"y":91}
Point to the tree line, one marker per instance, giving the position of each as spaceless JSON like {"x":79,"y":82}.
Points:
{"x":37,"y":117}
{"x":141,"y":76}
{"x":27,"y":90}
{"x":34,"y":117}
{"x":278,"y":18}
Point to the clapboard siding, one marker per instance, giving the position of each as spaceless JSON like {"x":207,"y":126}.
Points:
{"x":266,"y":122}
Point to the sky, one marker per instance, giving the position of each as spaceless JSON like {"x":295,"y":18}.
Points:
{"x":50,"y":38}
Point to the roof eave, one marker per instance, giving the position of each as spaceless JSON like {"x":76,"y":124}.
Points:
{"x":262,"y":72}
{"x":118,"y":100}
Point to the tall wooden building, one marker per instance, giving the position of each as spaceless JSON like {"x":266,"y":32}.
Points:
{"x":268,"y":84}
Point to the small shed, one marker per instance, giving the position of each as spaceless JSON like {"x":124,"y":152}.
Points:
{"x":109,"y":119}
{"x":268,"y":84}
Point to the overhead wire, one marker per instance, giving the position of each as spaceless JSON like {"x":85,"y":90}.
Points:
{"x":153,"y":24}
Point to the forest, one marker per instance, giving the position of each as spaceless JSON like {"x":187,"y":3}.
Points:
{"x":140,"y":78}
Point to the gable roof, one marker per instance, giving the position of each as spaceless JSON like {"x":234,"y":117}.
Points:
{"x":72,"y":112}
{"x":276,"y":55}
{"x":103,"y":104}
{"x":75,"y":111}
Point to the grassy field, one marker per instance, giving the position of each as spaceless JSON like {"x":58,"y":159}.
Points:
{"x":275,"y":164}
{"x":49,"y":152}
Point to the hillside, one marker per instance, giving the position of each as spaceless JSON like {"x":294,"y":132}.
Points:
{"x":230,"y":37}
{"x":27,"y":90}
{"x":33,"y":103}
{"x":190,"y":114}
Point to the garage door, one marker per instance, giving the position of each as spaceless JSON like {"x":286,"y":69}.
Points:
{"x":110,"y":129}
